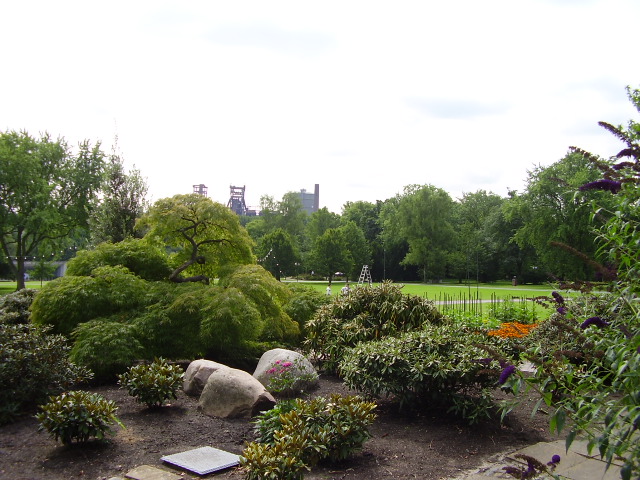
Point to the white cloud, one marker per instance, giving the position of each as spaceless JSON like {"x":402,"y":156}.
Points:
{"x":361,"y":98}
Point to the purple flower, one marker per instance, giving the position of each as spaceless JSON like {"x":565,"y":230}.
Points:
{"x":554,"y":460}
{"x":506,"y":373}
{"x":621,"y":165}
{"x":597,"y":321}
{"x":557,"y":297}
{"x":612,"y":186}
{"x":287,"y":364}
{"x":562,"y":310}
{"x":513,"y":471}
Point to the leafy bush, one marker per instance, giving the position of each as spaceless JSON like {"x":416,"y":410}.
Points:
{"x":69,"y":301}
{"x":267,"y":296}
{"x":439,"y":363}
{"x":33,"y":365}
{"x":365,"y":314}
{"x":304,"y":303}
{"x":269,"y":422}
{"x":170,"y":325}
{"x":511,"y":309}
{"x":154,"y":383}
{"x":280,"y":461}
{"x":14,"y":307}
{"x":229,"y":320}
{"x":78,"y":416}
{"x":139,"y":257}
{"x":105,"y":346}
{"x":303,"y":432}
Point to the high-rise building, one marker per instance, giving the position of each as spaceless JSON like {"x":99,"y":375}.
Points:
{"x":310,"y":201}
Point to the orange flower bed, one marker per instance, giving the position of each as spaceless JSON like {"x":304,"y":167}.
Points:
{"x":513,"y":330}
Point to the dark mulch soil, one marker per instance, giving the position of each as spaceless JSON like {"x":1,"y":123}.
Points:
{"x":425,"y":445}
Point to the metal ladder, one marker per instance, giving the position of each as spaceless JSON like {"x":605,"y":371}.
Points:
{"x":365,"y":275}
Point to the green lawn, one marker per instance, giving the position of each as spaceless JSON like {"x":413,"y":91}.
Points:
{"x":454,"y":291}
{"x":10,"y":287}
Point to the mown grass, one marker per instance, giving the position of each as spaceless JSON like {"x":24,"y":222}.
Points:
{"x":437,"y":292}
{"x":10,"y":287}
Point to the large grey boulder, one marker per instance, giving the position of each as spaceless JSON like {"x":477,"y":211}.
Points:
{"x":294,"y":363}
{"x":233,"y":393}
{"x":197,"y":374}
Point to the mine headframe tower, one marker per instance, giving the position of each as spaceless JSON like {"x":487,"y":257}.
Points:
{"x":236,"y":200}
{"x":200,"y":189}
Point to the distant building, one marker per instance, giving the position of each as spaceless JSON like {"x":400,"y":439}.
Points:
{"x":310,"y":201}
{"x":200,"y":189}
{"x":236,"y":201}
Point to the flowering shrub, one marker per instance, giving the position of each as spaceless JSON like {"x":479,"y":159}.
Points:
{"x":599,"y":394}
{"x":287,"y":378}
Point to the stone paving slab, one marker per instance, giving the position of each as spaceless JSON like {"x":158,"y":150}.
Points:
{"x":576,"y":464}
{"x":147,"y":472}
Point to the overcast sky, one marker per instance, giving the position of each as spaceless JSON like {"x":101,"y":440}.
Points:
{"x":360,"y":97}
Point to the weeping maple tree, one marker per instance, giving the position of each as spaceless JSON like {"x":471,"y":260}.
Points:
{"x":203,"y":236}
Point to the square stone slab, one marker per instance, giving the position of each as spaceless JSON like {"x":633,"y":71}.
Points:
{"x":203,"y":460}
{"x":147,"y":472}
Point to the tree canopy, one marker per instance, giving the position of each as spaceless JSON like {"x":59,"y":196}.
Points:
{"x":205,"y":236}
{"x":46,"y":194}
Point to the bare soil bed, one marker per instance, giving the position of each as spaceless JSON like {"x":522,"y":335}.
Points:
{"x":406,"y":445}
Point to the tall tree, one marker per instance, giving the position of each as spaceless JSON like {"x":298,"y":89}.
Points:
{"x":474,"y":255}
{"x":424,"y":220}
{"x":123,"y":201}
{"x":277,"y":253}
{"x":292,"y":217}
{"x":359,"y":250}
{"x":366,"y":216}
{"x":201,"y":232}
{"x":330,"y":254}
{"x":321,"y":221}
{"x":46,"y":193}
{"x":394,"y":244}
{"x":557,"y":218}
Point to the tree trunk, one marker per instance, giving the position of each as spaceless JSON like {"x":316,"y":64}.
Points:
{"x":174,"y":277}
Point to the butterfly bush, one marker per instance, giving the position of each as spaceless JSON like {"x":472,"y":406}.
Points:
{"x":592,"y":382}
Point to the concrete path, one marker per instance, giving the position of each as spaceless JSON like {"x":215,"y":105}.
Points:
{"x":576,"y":464}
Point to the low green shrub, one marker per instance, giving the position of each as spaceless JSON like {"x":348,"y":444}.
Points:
{"x":106,"y":346}
{"x":69,"y":301}
{"x":14,"y":307}
{"x":78,"y":416}
{"x":154,"y":383}
{"x":365,"y":314}
{"x":510,"y":309}
{"x":268,"y":422}
{"x":300,"y":433}
{"x":139,"y":256}
{"x":304,"y":303}
{"x":443,"y":365}
{"x":281,"y":461}
{"x":33,"y":365}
